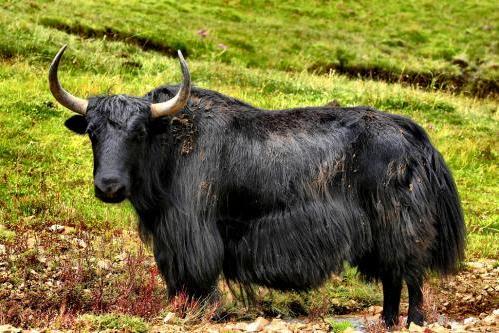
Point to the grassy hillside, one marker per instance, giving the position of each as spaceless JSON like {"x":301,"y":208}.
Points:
{"x":451,"y":44}
{"x":269,"y":54}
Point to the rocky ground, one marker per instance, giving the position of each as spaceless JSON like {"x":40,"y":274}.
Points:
{"x":49,"y":277}
{"x":364,"y":322}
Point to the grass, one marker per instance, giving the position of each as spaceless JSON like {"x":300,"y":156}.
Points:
{"x":273,"y":56}
{"x":112,"y":322}
{"x":456,"y":49}
{"x":338,"y":326}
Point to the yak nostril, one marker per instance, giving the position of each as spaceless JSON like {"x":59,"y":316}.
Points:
{"x":115,"y":188}
{"x":110,"y":186}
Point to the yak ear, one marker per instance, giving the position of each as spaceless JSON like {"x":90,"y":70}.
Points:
{"x":77,"y":124}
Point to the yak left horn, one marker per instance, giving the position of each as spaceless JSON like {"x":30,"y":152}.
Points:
{"x":177,"y":103}
{"x":73,"y":103}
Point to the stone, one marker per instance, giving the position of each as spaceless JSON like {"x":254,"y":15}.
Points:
{"x":375,"y":309}
{"x":170,"y":317}
{"x":56,"y":228}
{"x":491,"y":320}
{"x":437,"y":328}
{"x":351,"y":330}
{"x":212,"y":330}
{"x":9,"y":329}
{"x":277,"y":326}
{"x":415,"y":328}
{"x":81,"y":243}
{"x":3,"y":250}
{"x":240,"y":326}
{"x":257,"y":325}
{"x":455,"y":326}
{"x":31,"y":242}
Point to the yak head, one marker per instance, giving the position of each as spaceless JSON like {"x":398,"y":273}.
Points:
{"x":118,"y":127}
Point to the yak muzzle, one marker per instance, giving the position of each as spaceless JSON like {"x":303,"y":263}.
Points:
{"x":110,"y":189}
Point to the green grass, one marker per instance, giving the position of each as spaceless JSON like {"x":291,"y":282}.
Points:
{"x":338,"y":326}
{"x":342,"y":294}
{"x":389,"y":39}
{"x":273,"y":50}
{"x":112,"y":322}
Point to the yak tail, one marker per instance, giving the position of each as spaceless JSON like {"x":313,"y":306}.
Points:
{"x":449,"y":249}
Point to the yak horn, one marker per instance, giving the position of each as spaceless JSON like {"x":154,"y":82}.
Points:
{"x":174,"y":105}
{"x":73,"y":103}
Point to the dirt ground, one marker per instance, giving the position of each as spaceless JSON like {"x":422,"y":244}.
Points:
{"x":50,"y":276}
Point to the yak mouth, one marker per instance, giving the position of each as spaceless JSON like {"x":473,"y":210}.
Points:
{"x":116,"y":197}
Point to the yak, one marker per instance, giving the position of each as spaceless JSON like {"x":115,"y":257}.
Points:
{"x":277,"y":198}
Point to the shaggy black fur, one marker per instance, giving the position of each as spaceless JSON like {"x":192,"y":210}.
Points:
{"x":278,"y":198}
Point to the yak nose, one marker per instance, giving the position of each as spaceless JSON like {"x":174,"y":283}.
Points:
{"x":110,"y":187}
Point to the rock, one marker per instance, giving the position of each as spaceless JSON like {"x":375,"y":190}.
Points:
{"x":351,"y":330}
{"x":455,"y":326}
{"x":9,"y":329}
{"x":437,"y":328}
{"x":2,"y":249}
{"x":270,"y":329}
{"x":226,"y":329}
{"x":491,"y":320}
{"x":31,"y":242}
{"x":170,"y":316}
{"x":375,"y":309}
{"x":81,"y":243}
{"x":469,"y":320}
{"x":212,"y":330}
{"x":415,"y":328}
{"x":56,"y":228}
{"x":277,"y":326}
{"x":257,"y":325}
{"x":240,"y":326}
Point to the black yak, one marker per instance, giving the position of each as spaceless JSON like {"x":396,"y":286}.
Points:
{"x":274,"y":198}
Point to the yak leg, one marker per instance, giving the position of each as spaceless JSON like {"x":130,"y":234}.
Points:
{"x":180,"y":281}
{"x":392,"y":287}
{"x":415,"y":302}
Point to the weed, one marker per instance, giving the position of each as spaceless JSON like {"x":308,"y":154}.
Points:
{"x":76,"y":273}
{"x":337,"y":326}
{"x":117,"y":322}
{"x":192,"y":310}
{"x":379,"y":326}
